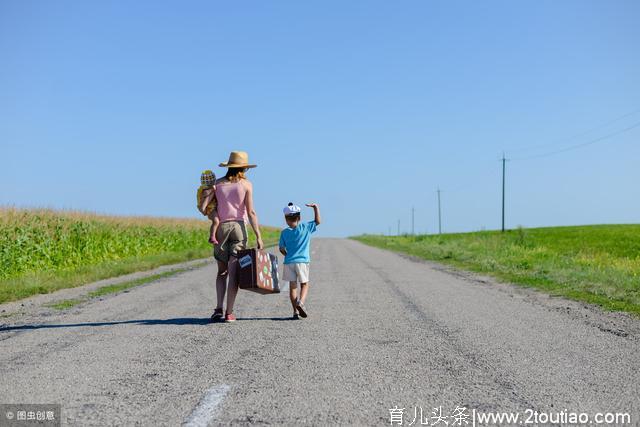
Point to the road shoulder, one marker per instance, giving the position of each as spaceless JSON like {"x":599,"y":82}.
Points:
{"x":618,"y":323}
{"x":40,"y":305}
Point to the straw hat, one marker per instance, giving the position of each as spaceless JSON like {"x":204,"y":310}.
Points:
{"x":238,"y":159}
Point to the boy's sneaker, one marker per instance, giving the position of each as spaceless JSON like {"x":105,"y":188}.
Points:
{"x":217,"y":315}
{"x":295,"y":316}
{"x":229,"y":317}
{"x":301,"y":309}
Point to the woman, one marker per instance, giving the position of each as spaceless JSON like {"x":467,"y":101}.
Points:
{"x":234,"y":193}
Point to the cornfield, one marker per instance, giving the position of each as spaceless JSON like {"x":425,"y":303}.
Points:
{"x":47,"y":240}
{"x":42,"y":250}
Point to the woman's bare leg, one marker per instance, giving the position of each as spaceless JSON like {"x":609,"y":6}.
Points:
{"x":233,"y":285}
{"x":221,"y":283}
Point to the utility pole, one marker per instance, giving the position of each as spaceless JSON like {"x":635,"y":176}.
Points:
{"x":413,"y":221}
{"x":439,"y":214}
{"x":504,"y":162}
{"x":389,"y":231}
{"x":398,"y":227}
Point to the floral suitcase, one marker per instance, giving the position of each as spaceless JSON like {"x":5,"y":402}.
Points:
{"x":258,"y":271}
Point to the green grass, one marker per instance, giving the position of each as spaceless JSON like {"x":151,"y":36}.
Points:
{"x":43,"y":250}
{"x":598,"y":264}
{"x":64,"y":304}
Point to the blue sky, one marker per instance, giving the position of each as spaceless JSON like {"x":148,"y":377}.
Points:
{"x":364,"y":107}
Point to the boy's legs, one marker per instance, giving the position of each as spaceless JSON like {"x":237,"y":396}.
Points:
{"x":304,"y":288}
{"x":289,"y":275}
{"x":303,"y":277}
{"x":293,"y":295}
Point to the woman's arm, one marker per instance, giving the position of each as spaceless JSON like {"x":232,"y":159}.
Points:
{"x":251,"y":213}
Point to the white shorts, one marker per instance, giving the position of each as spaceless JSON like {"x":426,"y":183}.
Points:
{"x":296,"y":272}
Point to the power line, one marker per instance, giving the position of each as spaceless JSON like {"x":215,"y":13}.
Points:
{"x":584,"y":144}
{"x":466,"y":185}
{"x":578,"y":135}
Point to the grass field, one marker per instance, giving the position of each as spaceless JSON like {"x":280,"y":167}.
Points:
{"x":45,"y":250}
{"x":598,"y":264}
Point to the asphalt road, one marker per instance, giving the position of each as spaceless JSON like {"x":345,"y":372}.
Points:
{"x":384,"y":332}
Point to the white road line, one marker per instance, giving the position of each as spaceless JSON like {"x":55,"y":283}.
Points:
{"x":206,"y":409}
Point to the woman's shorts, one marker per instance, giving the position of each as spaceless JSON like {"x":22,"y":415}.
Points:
{"x":296,"y":272}
{"x":232,"y":237}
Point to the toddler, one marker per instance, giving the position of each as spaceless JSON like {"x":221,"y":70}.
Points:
{"x":207,"y":202}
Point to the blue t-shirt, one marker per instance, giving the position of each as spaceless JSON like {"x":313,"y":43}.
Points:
{"x":296,"y":242}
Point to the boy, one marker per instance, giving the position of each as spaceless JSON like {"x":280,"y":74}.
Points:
{"x":207,"y":202}
{"x":294,"y":245}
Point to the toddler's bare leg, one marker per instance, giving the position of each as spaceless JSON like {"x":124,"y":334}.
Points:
{"x":293,"y":295}
{"x":215,"y":222}
{"x":212,"y":234}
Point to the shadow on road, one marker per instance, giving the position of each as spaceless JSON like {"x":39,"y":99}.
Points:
{"x":277,"y":319}
{"x":179,"y":321}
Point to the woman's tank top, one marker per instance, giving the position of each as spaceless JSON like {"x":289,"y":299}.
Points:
{"x":230,"y":197}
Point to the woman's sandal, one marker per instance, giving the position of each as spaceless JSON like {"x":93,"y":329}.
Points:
{"x":217,"y":315}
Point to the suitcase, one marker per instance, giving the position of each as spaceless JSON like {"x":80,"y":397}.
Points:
{"x":258,"y":271}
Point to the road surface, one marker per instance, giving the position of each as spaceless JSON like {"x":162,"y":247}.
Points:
{"x":385,"y":332}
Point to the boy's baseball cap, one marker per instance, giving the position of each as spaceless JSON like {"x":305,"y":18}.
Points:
{"x":291,"y":209}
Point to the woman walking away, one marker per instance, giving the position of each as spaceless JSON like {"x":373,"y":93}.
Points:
{"x":234,"y":193}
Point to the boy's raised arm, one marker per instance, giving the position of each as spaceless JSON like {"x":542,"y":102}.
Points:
{"x":316,"y":212}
